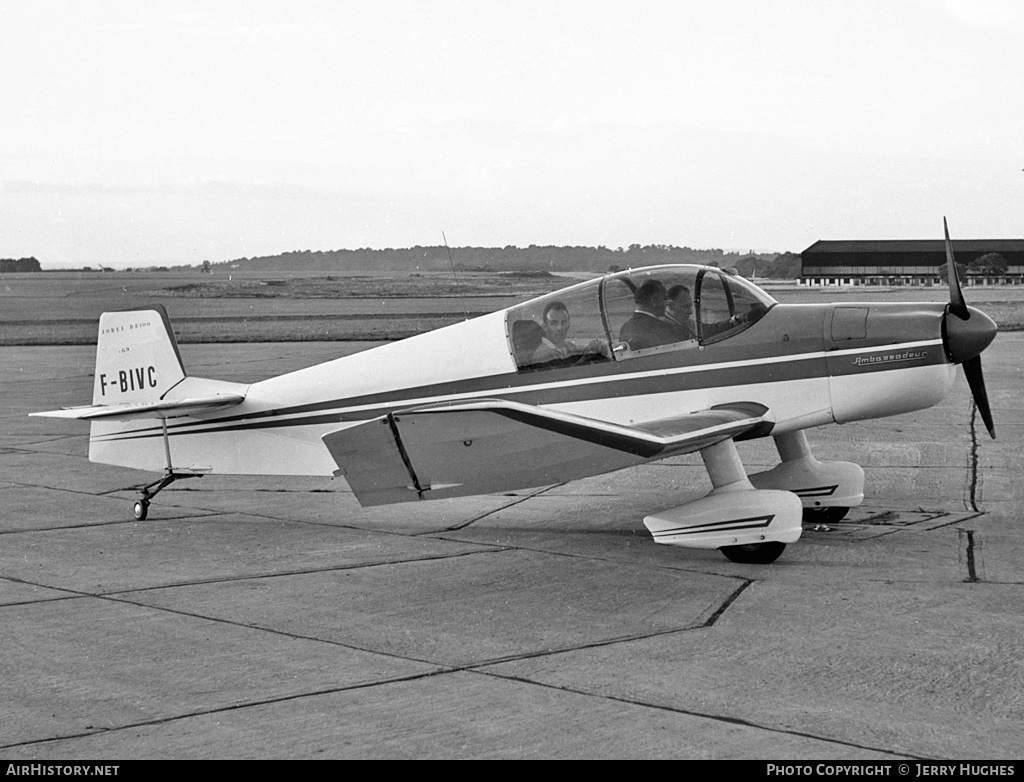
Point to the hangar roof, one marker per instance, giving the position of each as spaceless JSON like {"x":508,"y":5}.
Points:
{"x":916,"y":246}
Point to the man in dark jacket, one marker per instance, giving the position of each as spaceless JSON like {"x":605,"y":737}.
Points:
{"x":646,"y":329}
{"x":679,"y":312}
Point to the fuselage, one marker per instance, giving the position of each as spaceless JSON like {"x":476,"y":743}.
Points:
{"x":809,"y":365}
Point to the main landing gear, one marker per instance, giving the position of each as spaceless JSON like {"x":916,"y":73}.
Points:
{"x":754,"y":553}
{"x":745,"y":523}
{"x":825,"y":515}
{"x":751,"y":519}
{"x":827,"y":489}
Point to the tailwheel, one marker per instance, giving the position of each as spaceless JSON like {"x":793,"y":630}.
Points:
{"x":824,"y":515}
{"x":754,"y":553}
{"x":141,"y":507}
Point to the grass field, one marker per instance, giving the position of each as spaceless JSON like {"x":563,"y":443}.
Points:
{"x":62,"y":308}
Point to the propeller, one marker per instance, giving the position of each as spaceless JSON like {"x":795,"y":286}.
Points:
{"x":957,"y":304}
{"x":968,"y":331}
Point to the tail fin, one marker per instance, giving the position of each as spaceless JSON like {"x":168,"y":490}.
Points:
{"x":137,"y":358}
{"x":139,"y":373}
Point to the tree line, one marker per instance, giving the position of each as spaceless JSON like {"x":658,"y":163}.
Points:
{"x":511,"y":258}
{"x":989,"y":264}
{"x":19,"y":265}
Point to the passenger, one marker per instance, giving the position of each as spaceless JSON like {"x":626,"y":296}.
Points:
{"x":679,"y":312}
{"x":646,"y":329}
{"x":526,"y":338}
{"x":554,"y":345}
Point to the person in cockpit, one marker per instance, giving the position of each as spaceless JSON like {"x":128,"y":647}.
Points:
{"x":554,"y":345}
{"x":526,"y":338}
{"x":646,"y":329}
{"x":679,"y":313}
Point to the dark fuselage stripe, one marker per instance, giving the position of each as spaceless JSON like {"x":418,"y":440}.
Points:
{"x":356,"y":409}
{"x":546,"y":388}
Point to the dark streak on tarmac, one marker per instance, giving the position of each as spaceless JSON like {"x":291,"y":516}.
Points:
{"x":274,"y":618}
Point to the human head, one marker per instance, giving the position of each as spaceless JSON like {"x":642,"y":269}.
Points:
{"x":526,"y":336}
{"x":680,"y":305}
{"x":556,"y":322}
{"x":650,"y":297}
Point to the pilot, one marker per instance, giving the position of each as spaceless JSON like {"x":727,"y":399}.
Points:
{"x":554,"y":344}
{"x":646,"y":329}
{"x":679,"y":312}
{"x":753,"y":313}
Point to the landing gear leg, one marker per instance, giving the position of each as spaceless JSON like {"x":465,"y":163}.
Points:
{"x":141,"y":508}
{"x":827,"y":490}
{"x":748,"y":524}
{"x":727,"y":475}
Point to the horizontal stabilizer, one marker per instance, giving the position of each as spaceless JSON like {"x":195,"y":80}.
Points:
{"x":164,"y":409}
{"x":191,"y":396}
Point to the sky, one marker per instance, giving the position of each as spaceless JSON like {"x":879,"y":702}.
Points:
{"x":172,"y":132}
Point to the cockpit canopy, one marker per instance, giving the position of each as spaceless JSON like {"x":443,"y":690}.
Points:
{"x":631,"y":314}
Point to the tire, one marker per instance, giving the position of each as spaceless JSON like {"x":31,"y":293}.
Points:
{"x":754,"y":553}
{"x":824,"y":515}
{"x":141,"y":510}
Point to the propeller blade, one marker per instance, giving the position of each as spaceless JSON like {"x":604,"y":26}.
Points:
{"x":964,"y":342}
{"x":975,"y":379}
{"x":957,"y":305}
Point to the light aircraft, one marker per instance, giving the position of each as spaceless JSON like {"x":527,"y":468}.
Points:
{"x":485,"y":405}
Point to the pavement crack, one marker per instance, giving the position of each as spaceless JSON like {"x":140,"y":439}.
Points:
{"x":529,"y":496}
{"x":92,"y":731}
{"x":260,"y":628}
{"x":970,"y":556}
{"x":973,"y":501}
{"x":700,"y":714}
{"x":116,"y":593}
{"x":717,"y":614}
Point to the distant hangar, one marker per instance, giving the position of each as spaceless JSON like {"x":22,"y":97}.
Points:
{"x":905,"y":262}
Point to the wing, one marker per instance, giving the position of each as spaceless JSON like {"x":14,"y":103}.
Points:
{"x":496,"y":445}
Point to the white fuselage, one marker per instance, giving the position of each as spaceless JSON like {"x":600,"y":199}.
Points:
{"x":279,"y":426}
